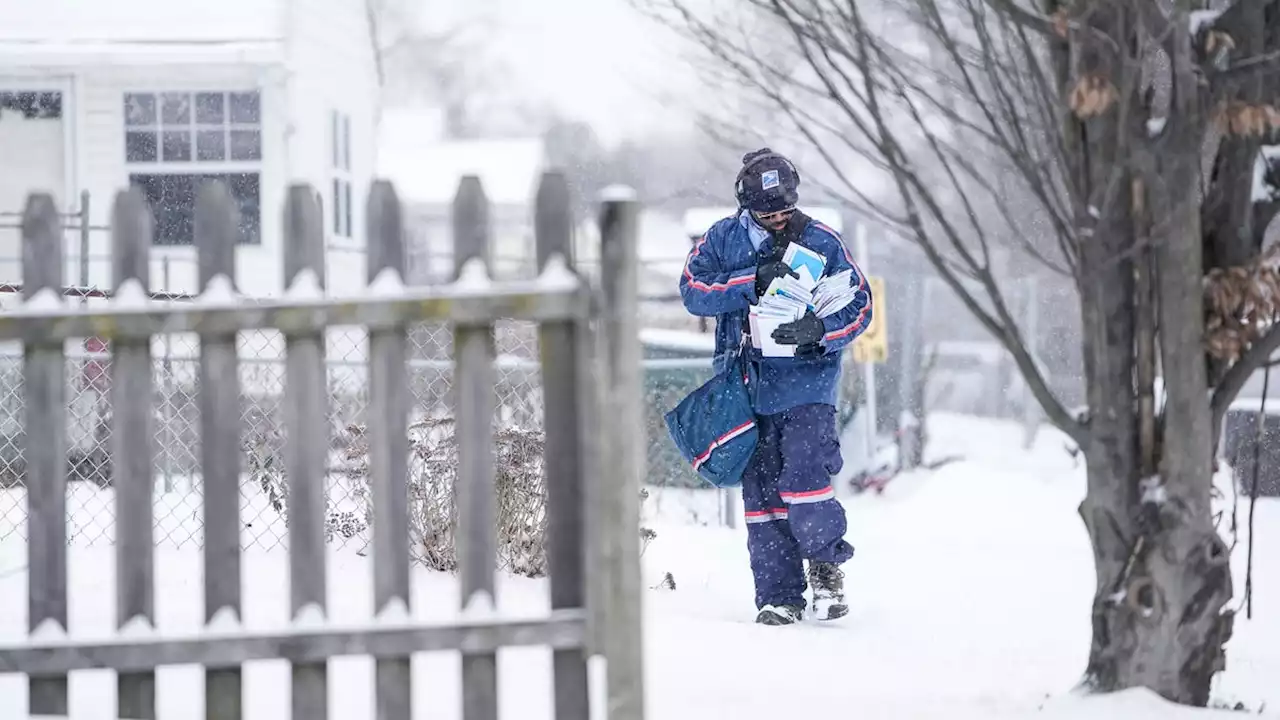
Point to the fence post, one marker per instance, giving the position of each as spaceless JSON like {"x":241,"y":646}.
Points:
{"x":563,"y":387}
{"x":168,"y":392}
{"x":216,"y":229}
{"x":131,"y":448}
{"x":306,"y":415}
{"x":473,"y":355}
{"x":624,"y":432}
{"x":45,"y":447}
{"x":389,"y":449}
{"x":85,"y":224}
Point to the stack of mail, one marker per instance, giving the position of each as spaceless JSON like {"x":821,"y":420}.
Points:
{"x":788,"y":298}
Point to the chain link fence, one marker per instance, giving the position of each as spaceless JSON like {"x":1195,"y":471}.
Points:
{"x":176,"y":423}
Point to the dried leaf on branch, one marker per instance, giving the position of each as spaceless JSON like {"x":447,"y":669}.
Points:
{"x":1247,"y":119}
{"x":1092,"y":96}
{"x":1241,"y":304}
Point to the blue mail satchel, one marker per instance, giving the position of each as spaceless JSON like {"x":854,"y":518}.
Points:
{"x":714,"y":427}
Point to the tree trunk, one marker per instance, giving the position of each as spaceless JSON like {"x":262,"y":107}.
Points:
{"x":1163,"y":571}
{"x":1112,"y":456}
{"x":1157,"y":613}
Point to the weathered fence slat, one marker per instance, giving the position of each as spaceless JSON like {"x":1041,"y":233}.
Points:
{"x":131,"y":449}
{"x":216,"y":229}
{"x":562,"y":383}
{"x":528,"y":300}
{"x":389,"y":450}
{"x":619,"y":329}
{"x":44,"y":392}
{"x":383,"y":638}
{"x":474,"y":401}
{"x":306,"y":414}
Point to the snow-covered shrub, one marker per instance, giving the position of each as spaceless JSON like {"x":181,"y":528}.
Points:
{"x":433,"y":513}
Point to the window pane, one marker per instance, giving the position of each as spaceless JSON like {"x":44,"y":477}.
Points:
{"x":335,"y":133}
{"x":175,"y":109}
{"x":347,"y":207}
{"x":245,"y":189}
{"x":244,"y":108}
{"x":337,"y":206}
{"x":51,"y":105}
{"x":139,"y":109}
{"x":172,"y":201}
{"x":246,"y":145}
{"x":211,"y":108}
{"x":177,"y":146}
{"x":211,"y":145}
{"x":140,"y":146}
{"x":33,"y":105}
{"x":346,"y":143}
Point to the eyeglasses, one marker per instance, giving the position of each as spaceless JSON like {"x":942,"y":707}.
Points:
{"x":780,"y":215}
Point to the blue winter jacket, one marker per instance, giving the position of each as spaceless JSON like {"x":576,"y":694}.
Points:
{"x":719,"y":281}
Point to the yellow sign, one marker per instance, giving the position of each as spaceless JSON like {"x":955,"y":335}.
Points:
{"x":873,"y":344}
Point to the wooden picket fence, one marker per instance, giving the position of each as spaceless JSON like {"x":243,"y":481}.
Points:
{"x":590,"y":360}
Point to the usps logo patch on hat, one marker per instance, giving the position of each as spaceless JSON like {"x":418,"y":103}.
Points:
{"x":769,"y":180}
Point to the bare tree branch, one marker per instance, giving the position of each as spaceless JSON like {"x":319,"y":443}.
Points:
{"x":1230,"y":385}
{"x":854,"y":92}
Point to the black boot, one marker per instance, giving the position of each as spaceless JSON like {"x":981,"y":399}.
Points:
{"x":780,"y":615}
{"x":827,"y":581}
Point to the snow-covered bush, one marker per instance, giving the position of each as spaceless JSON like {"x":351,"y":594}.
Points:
{"x":433,"y":513}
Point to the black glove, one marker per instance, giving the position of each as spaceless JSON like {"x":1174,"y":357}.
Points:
{"x":812,"y":351}
{"x":770,"y":270}
{"x":808,"y":330}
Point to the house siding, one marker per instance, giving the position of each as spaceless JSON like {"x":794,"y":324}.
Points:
{"x":332,"y":68}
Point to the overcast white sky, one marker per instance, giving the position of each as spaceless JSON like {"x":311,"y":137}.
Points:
{"x":597,"y":60}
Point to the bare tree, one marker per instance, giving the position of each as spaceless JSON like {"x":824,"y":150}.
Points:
{"x":1117,"y":142}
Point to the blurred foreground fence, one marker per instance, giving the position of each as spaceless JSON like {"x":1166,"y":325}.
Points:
{"x":399,"y":458}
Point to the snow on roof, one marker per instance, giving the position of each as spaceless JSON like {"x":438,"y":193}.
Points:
{"x":697,"y":220}
{"x":678,"y":339}
{"x":100,"y":54}
{"x":140,"y":21}
{"x":427,"y":169}
{"x":663,"y":247}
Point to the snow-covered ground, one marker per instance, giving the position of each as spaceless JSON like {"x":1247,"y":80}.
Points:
{"x":970,"y":595}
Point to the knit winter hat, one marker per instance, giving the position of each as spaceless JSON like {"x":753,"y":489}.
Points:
{"x":767,"y":182}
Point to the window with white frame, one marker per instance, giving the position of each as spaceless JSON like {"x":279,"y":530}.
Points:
{"x":340,"y":132}
{"x":174,"y":141}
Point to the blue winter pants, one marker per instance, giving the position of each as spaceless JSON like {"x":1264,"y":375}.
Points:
{"x":791,"y":509}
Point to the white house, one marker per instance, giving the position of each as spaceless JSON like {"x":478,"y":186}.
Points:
{"x":426,"y":168}
{"x":98,"y":96}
